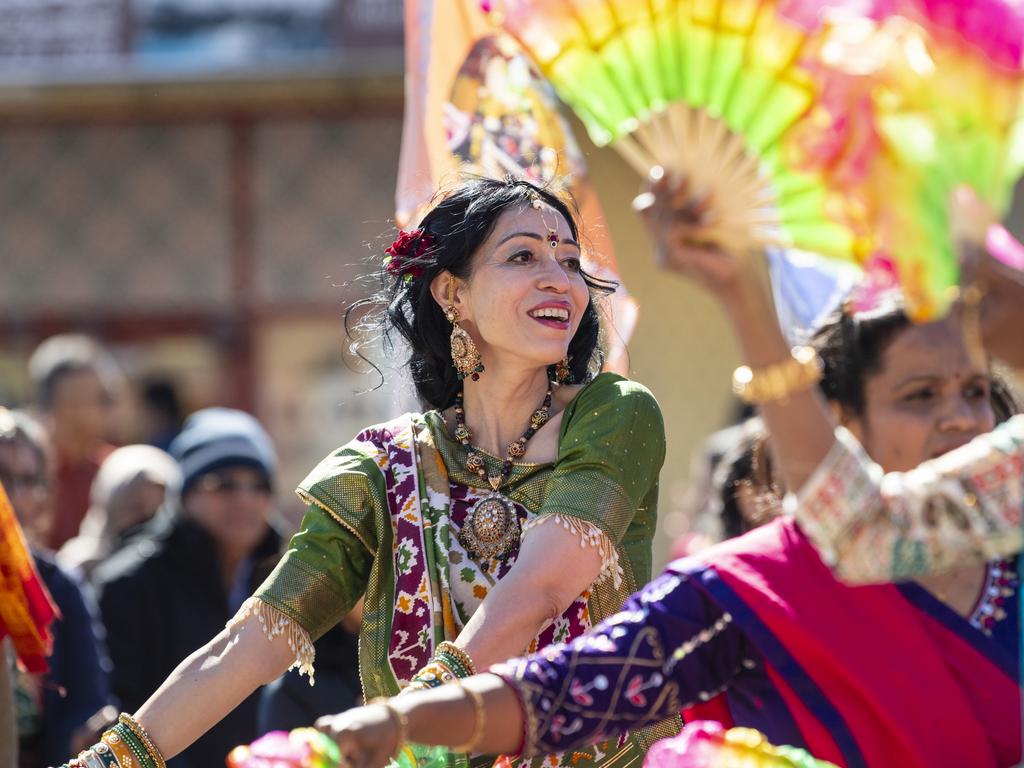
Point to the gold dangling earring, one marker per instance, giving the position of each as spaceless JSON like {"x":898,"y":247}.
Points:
{"x":465,"y":355}
{"x":562,"y":371}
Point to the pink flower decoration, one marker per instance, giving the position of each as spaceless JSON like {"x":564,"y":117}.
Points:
{"x":301,"y":748}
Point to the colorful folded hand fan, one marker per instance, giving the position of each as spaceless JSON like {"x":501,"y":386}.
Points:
{"x":706,"y":744}
{"x":714,"y":90}
{"x":945,"y":78}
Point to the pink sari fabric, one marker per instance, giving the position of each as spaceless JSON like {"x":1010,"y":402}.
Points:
{"x":870,"y":678}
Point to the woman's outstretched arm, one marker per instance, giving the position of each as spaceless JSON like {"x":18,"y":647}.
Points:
{"x":963,"y":507}
{"x":211,"y":682}
{"x":446,"y":716}
{"x":551,"y":571}
{"x":668,"y":648}
{"x":801,"y":427}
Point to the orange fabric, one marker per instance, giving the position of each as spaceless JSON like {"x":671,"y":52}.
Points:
{"x":26,"y":608}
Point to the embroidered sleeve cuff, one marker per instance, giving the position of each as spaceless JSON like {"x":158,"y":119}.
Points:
{"x":274,"y":622}
{"x":589,"y":536}
{"x":841,"y":489}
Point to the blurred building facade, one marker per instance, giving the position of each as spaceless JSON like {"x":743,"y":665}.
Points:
{"x":201,"y":185}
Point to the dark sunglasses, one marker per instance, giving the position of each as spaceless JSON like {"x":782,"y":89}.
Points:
{"x":220,"y":484}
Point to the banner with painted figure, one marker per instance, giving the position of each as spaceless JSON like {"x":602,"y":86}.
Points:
{"x":476,"y":104}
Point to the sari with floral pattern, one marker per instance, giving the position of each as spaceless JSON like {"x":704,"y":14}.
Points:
{"x":383,"y":518}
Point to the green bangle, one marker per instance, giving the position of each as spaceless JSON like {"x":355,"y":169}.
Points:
{"x":452,"y":651}
{"x":454,"y":664}
{"x":135,"y":745}
{"x":139,"y":732}
{"x":431,"y":676}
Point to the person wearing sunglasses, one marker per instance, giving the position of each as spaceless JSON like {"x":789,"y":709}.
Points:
{"x":165,"y":593}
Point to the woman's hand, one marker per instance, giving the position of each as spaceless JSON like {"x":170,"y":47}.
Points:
{"x":681,"y":224}
{"x":367,"y":736}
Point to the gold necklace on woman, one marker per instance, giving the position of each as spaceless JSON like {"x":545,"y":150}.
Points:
{"x":491,"y":528}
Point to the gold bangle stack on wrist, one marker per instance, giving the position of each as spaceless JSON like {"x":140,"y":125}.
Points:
{"x":448,"y":664}
{"x":479,"y":721}
{"x":124,"y":745}
{"x":777,"y":383}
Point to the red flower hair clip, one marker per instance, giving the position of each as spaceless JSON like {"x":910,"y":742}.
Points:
{"x":405,"y":256}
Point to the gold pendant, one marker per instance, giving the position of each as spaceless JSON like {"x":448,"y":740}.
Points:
{"x":491,"y":528}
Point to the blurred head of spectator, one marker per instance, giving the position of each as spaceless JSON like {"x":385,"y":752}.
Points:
{"x":133,"y":483}
{"x":25,"y":472}
{"x":228,"y":465}
{"x":749,"y":495}
{"x":75,"y":381}
{"x":161,"y":414}
{"x":735,"y":489}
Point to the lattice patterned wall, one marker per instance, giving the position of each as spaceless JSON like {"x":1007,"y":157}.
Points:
{"x":322,"y":191}
{"x":116,"y":217}
{"x":137,"y":217}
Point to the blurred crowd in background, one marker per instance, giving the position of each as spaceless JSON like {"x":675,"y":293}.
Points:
{"x":190,"y":195}
{"x":147,"y":550}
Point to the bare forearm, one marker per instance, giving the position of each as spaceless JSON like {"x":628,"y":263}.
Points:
{"x":447,"y":715}
{"x":551,"y":571}
{"x":210,"y":683}
{"x":801,"y":428}
{"x":504,"y":625}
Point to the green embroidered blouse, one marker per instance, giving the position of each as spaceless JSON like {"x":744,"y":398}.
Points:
{"x":604,"y":484}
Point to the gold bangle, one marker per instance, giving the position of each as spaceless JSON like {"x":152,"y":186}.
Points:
{"x":479,"y":721}
{"x":132,"y":724}
{"x":460,"y":655}
{"x":777,"y":383}
{"x":399,"y":718}
{"x":120,"y":750}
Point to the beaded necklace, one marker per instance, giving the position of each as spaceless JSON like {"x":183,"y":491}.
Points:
{"x":491,"y":528}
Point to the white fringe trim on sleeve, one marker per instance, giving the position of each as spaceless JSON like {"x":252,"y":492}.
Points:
{"x":274,"y":623}
{"x":590,"y":536}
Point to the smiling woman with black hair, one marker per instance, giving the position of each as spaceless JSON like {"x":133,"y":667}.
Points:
{"x":516,"y":510}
